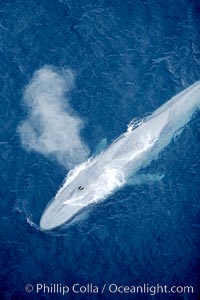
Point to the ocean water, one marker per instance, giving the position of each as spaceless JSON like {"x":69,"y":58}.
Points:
{"x":128,"y":57}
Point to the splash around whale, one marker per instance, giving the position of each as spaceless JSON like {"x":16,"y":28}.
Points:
{"x":100,"y":176}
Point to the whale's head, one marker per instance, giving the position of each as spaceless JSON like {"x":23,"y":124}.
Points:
{"x":72,"y":197}
{"x":67,"y":203}
{"x":88,"y":186}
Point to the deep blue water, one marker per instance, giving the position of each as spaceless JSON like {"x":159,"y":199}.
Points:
{"x":129,"y":58}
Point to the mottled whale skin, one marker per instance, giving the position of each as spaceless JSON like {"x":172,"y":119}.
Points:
{"x":101,"y":175}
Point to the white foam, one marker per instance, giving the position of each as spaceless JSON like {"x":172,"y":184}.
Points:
{"x":134,"y":124}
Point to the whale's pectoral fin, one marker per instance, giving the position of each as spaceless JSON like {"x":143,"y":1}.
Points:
{"x":100,"y":147}
{"x":144,"y":179}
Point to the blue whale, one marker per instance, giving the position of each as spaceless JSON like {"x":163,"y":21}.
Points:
{"x":100,"y":176}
